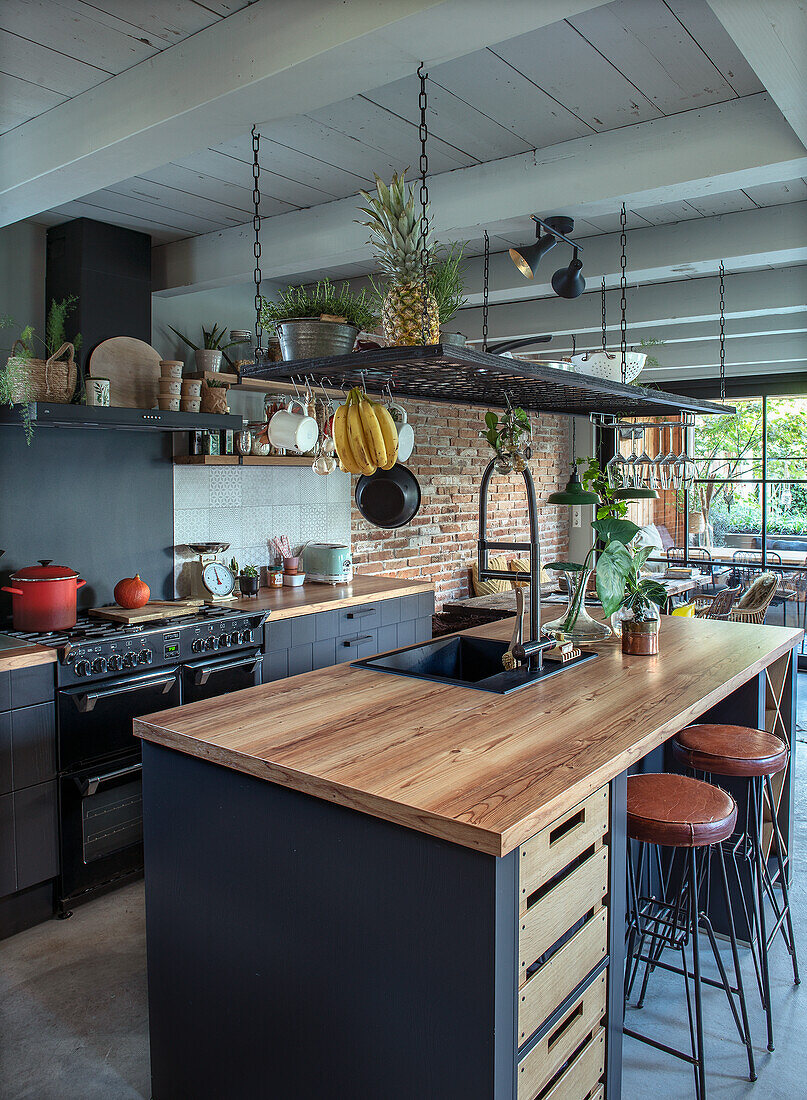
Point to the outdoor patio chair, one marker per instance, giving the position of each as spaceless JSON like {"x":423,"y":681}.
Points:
{"x":702,"y":557}
{"x":719,"y":607}
{"x":752,"y":606}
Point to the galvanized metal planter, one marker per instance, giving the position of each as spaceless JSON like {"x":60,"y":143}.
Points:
{"x":310,"y":338}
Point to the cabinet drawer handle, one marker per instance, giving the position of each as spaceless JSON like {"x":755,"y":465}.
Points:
{"x":358,"y":614}
{"x":361,"y":638}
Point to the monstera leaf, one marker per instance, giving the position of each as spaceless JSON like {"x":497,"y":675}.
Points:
{"x":614,"y":566}
{"x":611,"y":529}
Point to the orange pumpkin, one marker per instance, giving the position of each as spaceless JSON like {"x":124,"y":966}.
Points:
{"x":132,"y":593}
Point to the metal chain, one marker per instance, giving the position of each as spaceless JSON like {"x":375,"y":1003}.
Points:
{"x":574,"y":344}
{"x":256,"y":248}
{"x":623,"y":283}
{"x":423,"y":131}
{"x":604,"y":337}
{"x":485,"y":284}
{"x":722,"y":334}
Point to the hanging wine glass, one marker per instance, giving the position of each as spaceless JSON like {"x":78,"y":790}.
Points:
{"x":612,"y":470}
{"x":666,"y":461}
{"x":642,"y":465}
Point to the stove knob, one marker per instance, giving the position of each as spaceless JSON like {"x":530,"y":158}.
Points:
{"x":129,"y":660}
{"x":246,"y":636}
{"x":99,"y":665}
{"x":224,"y":640}
{"x":235,"y":638}
{"x":115,"y":662}
{"x":145,"y":657}
{"x":210,"y":643}
{"x":197,"y":645}
{"x":82,"y":668}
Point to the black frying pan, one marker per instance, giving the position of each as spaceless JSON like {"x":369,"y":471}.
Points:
{"x":388,"y":498}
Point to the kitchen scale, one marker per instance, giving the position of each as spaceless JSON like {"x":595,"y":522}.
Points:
{"x":211,"y":579}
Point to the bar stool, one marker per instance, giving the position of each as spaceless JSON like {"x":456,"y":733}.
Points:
{"x":682,"y":814}
{"x":728,"y":750}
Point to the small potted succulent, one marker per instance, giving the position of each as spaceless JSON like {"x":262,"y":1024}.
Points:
{"x":314,"y":322}
{"x":249,"y":580}
{"x":209,"y":356}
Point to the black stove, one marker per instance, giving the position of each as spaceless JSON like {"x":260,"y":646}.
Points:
{"x":108,"y":674}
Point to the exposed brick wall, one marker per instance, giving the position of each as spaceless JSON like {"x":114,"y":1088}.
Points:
{"x":448,"y":461}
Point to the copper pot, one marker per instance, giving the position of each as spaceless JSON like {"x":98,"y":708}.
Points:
{"x":640,"y":639}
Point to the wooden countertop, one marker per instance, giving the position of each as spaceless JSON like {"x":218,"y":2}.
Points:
{"x":478,"y":769}
{"x":284,"y":603}
{"x":26,"y":656}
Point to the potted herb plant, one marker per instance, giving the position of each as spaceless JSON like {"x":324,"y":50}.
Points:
{"x":316,"y":321}
{"x":209,"y":356}
{"x":509,"y":436}
{"x":249,"y":580}
{"x":637,"y":618}
{"x":446,"y":283}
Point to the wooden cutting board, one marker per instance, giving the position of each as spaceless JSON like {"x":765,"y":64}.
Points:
{"x":133,"y":369}
{"x":149,"y":613}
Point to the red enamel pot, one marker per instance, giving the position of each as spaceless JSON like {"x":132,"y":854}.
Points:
{"x":44,"y":597}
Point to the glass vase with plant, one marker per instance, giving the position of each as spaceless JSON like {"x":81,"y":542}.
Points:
{"x":614,"y":563}
{"x":509,"y":435}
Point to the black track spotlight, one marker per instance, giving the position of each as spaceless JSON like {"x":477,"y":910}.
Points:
{"x":527,"y":259}
{"x":568,"y":282}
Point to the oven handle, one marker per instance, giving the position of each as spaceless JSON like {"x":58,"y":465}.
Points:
{"x":202,"y":675}
{"x":85,"y":702}
{"x":89,"y":785}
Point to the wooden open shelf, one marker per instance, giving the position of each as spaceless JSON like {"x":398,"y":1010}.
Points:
{"x":245,"y":460}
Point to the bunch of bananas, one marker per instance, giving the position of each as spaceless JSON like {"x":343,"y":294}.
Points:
{"x":365,"y":435}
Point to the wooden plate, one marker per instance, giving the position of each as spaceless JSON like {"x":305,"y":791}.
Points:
{"x":133,"y":369}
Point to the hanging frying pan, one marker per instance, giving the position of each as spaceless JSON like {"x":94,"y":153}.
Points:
{"x":388,"y":498}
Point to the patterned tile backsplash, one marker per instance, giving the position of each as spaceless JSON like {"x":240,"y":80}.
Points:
{"x":248,"y":505}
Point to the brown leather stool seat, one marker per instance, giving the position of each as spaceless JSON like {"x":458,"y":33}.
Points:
{"x":729,"y":750}
{"x":678,"y":811}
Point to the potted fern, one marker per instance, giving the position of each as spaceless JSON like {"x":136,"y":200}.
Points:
{"x":317,"y":321}
{"x":209,"y":356}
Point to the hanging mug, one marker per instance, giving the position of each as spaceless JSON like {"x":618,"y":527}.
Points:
{"x":406,"y":434}
{"x":298,"y":431}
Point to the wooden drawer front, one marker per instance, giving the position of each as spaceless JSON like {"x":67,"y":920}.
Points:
{"x":583,"y":1073}
{"x":551,"y":984}
{"x":549,"y":851}
{"x":569,"y":899}
{"x":561,"y":1045}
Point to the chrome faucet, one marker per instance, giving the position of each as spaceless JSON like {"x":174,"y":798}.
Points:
{"x":531,"y":650}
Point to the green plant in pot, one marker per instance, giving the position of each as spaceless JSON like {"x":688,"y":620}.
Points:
{"x":509,"y":435}
{"x":637,"y":618}
{"x":249,"y":580}
{"x":617,"y":565}
{"x":209,"y":356}
{"x":316,"y":321}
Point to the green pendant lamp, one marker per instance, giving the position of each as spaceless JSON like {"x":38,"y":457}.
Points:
{"x":635,"y":492}
{"x":574,"y":493}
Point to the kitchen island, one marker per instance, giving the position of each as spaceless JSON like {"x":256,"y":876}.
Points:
{"x":364,"y":885}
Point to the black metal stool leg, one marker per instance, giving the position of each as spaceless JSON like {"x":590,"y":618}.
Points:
{"x":752,"y":1073}
{"x":755,"y":791}
{"x":700,"y":1068}
{"x":778,"y":846}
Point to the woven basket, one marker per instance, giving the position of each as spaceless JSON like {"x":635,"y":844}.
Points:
{"x":51,"y":379}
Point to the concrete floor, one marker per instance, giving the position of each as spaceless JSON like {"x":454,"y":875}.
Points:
{"x":74,"y":1020}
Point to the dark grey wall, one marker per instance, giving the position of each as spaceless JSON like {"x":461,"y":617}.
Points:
{"x":98,"y":501}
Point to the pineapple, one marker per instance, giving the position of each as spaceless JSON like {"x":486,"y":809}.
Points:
{"x":394,"y":226}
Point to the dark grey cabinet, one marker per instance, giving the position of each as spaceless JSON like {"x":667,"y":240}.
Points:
{"x":28,"y":792}
{"x":326,"y":638}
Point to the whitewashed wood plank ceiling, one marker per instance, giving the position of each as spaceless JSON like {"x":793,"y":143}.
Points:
{"x":621,"y":63}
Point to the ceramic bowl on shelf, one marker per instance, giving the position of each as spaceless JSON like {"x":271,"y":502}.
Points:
{"x":293,"y":580}
{"x":170,"y":387}
{"x":191,"y":387}
{"x":190,"y":404}
{"x":171,"y":368}
{"x":168,"y":403}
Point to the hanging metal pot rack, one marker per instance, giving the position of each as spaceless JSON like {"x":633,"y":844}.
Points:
{"x":458,"y":374}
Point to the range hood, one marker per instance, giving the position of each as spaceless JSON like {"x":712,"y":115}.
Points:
{"x":460,"y":375}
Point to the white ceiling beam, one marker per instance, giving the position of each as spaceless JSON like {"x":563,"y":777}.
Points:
{"x":267,"y":61}
{"x":772,"y":36}
{"x":687,"y":301}
{"x":708,"y":151}
{"x":774,"y":235}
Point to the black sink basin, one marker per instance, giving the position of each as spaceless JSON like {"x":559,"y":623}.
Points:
{"x":466,"y":661}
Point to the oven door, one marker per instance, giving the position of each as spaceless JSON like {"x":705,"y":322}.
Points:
{"x":221,"y":675}
{"x":95,"y":720}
